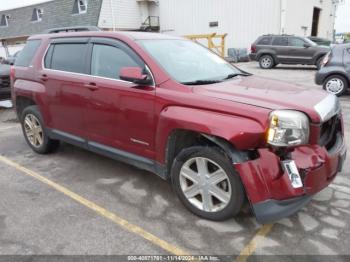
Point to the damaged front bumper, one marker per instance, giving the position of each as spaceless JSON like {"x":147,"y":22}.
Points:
{"x":269,"y":188}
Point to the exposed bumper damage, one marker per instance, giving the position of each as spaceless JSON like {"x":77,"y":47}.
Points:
{"x":269,"y":188}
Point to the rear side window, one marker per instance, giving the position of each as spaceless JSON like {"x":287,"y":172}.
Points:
{"x":67,"y":57}
{"x":28,"y":52}
{"x":280,"y":41}
{"x":108,"y":60}
{"x":297,"y":42}
{"x":264,"y":41}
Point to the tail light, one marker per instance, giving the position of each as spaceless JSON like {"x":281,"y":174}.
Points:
{"x":253,"y":49}
{"x":325,"y":59}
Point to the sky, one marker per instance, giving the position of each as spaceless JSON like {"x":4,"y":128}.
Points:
{"x":342,"y":23}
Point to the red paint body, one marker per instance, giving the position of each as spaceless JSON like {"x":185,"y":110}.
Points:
{"x":236,"y":110}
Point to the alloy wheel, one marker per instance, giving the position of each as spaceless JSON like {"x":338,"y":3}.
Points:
{"x":33,"y":130}
{"x":205,"y":184}
{"x":266,"y":62}
{"x":335,"y":86}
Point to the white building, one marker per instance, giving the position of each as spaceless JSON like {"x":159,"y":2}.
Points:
{"x":245,"y":20}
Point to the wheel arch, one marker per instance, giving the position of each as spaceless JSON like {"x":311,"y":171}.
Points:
{"x":23,"y":102}
{"x":243,"y":132}
{"x":266,"y":52}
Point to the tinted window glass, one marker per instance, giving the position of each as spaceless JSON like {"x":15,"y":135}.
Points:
{"x":293,"y":41}
{"x":108,"y":60}
{"x":27,"y":54}
{"x":265,"y":41}
{"x":48,"y":57}
{"x":281,"y":41}
{"x":69,"y":57}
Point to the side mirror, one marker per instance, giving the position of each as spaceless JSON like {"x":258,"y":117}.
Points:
{"x":307,"y":45}
{"x":135,"y":75}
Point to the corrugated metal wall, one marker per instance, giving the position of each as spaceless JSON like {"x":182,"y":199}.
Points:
{"x":126,"y":13}
{"x":244,"y":20}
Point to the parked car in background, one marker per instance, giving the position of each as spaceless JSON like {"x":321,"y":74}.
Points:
{"x":334,"y":74}
{"x":172,"y":107}
{"x":271,"y":50}
{"x":320,"y":41}
{"x":11,"y":59}
{"x":5,"y":89}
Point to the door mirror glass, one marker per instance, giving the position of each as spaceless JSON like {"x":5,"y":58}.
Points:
{"x":307,"y":45}
{"x":135,"y":75}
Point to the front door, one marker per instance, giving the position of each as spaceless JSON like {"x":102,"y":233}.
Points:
{"x":120,"y":114}
{"x":299,"y":52}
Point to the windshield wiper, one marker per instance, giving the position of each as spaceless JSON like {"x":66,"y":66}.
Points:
{"x":201,"y":82}
{"x":235,"y":74}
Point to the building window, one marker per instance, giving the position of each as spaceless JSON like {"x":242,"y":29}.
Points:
{"x":80,"y":7}
{"x":4,"y":20}
{"x":37,"y":15}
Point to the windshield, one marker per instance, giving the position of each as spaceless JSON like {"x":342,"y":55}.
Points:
{"x":188,"y":62}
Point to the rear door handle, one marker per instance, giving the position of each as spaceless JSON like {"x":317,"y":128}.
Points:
{"x":44,"y":77}
{"x":92,"y":86}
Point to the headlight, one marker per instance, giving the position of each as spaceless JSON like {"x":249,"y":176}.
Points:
{"x":288,"y":128}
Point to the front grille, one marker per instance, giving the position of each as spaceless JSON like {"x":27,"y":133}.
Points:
{"x":4,"y":81}
{"x":329,"y":131}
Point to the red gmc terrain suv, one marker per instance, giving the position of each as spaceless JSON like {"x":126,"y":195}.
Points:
{"x":174,"y":108}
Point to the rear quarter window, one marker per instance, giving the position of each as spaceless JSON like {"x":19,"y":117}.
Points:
{"x":26,"y":55}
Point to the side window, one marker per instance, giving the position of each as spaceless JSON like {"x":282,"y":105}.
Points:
{"x":265,"y":41}
{"x":297,"y":42}
{"x":108,"y":60}
{"x":48,"y":57}
{"x":69,"y":57}
{"x":280,"y":41}
{"x":26,"y":55}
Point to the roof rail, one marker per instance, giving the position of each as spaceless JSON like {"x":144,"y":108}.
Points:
{"x":71,"y":29}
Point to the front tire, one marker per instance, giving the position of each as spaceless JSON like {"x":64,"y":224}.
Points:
{"x":336,"y":85}
{"x":207,"y":184}
{"x":35,"y":132}
{"x":266,"y":62}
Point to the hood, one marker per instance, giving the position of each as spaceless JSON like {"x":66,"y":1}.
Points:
{"x":267,"y":93}
{"x":4,"y":70}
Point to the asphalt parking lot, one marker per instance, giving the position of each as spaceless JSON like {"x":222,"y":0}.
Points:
{"x":75,"y":202}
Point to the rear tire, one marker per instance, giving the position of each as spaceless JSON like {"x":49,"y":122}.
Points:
{"x":207,"y":184}
{"x":266,"y":62}
{"x":336,"y":85}
{"x":35,"y":133}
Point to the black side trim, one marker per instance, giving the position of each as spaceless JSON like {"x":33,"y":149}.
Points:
{"x":272,"y":210}
{"x":68,"y":138}
{"x":114,"y":153}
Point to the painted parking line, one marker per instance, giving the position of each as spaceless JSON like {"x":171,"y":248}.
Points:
{"x":98,"y":209}
{"x":249,"y":249}
{"x":8,"y":127}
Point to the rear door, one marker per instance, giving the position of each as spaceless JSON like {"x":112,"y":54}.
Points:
{"x":281,"y":49}
{"x":64,"y":76}
{"x":120,"y":114}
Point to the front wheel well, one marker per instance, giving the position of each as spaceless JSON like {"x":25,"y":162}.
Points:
{"x":181,"y":139}
{"x":22,"y":103}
